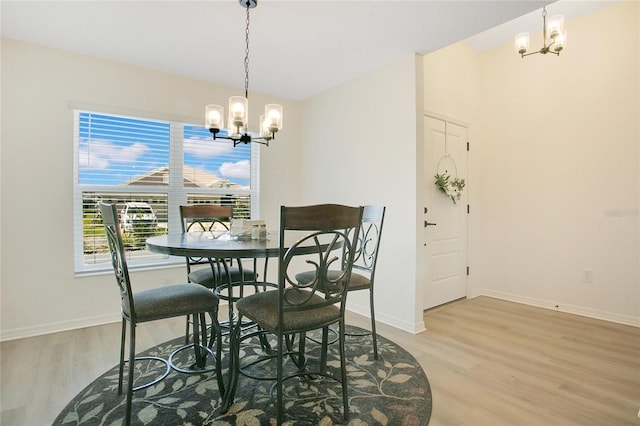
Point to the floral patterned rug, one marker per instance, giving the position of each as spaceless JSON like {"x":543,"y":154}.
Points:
{"x":393,"y":390}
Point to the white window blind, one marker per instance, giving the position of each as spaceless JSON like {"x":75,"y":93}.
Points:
{"x":148,"y":168}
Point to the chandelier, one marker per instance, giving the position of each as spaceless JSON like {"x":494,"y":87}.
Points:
{"x":557,"y":37}
{"x":238,"y":118}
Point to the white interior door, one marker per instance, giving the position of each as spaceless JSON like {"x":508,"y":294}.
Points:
{"x":446,"y":234}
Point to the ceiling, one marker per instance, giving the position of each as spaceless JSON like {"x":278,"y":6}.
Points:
{"x":298,"y":48}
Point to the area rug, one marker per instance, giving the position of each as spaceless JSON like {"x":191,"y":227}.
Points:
{"x":392,"y":390}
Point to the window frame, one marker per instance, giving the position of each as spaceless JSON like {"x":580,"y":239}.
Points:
{"x":176,"y":192}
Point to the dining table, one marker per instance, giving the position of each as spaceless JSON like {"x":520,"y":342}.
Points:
{"x":221,"y":245}
{"x":218,"y":247}
{"x":213,"y":244}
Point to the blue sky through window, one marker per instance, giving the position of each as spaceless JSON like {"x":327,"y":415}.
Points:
{"x":115,"y":150}
{"x":218,"y":157}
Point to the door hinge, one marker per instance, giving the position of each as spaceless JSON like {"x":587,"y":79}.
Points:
{"x":467,"y":271}
{"x":467,"y":146}
{"x":468,"y":209}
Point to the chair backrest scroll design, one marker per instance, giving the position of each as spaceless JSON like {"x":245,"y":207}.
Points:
{"x":327,"y":244}
{"x":369,"y":239}
{"x":118,"y":258}
{"x":205,"y":217}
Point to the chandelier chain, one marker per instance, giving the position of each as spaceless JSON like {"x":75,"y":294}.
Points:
{"x":246,"y":58}
{"x":544,"y":28}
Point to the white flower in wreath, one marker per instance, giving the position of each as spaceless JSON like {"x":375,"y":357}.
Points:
{"x":453,"y":192}
{"x":452,"y":188}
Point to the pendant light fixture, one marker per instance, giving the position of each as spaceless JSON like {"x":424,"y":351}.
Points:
{"x":557,"y":37}
{"x":238,"y":118}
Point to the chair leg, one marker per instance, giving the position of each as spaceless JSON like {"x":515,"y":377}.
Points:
{"x":279,"y":386}
{"x":343,"y":371}
{"x":196,"y":341}
{"x":123,"y":336}
{"x":217,"y":333}
{"x":132,"y":360}
{"x":203,"y":338}
{"x":374,"y":335}
{"x":324,"y":348}
{"x":302,"y":357}
{"x":186,"y":332}
{"x":235,"y":328}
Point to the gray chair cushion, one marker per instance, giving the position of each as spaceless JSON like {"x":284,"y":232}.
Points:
{"x":172,"y":301}
{"x":357,"y":281}
{"x":205,"y":276}
{"x":263,"y":309}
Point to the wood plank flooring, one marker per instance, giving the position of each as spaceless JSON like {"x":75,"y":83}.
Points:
{"x":489,"y":362}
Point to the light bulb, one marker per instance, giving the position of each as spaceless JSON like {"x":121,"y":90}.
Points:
{"x":238,"y":107}
{"x":556,"y":26}
{"x":238,"y":110}
{"x":522,"y":43}
{"x":264,"y":128}
{"x":214,"y":119}
{"x":274,"y":117}
{"x":560,"y":41}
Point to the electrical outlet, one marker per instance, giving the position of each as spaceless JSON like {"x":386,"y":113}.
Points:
{"x":587,"y":276}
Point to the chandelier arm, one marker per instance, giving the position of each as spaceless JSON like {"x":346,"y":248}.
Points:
{"x":543,"y":51}
{"x":243,"y":138}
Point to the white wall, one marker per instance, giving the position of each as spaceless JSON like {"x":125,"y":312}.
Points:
{"x":554,"y":179}
{"x":39,"y":291}
{"x":360,"y":148}
{"x":559,"y":175}
{"x":451,"y":83}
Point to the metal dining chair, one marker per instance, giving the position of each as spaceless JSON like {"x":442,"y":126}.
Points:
{"x":210,"y":217}
{"x":323,"y":236}
{"x":159,"y":303}
{"x":364,"y":263}
{"x":217,"y":274}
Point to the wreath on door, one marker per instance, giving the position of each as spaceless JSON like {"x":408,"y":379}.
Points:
{"x":451,"y":186}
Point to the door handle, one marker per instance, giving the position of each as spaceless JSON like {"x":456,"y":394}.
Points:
{"x":429,"y":223}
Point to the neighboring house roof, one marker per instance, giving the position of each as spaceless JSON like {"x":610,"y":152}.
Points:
{"x":193,"y":178}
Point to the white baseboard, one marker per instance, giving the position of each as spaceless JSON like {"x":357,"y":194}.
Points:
{"x":557,"y":306}
{"x":57,"y":327}
{"x":415,"y":328}
{"x":388,"y":320}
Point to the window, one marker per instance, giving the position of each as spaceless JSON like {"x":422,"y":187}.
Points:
{"x":148,"y":168}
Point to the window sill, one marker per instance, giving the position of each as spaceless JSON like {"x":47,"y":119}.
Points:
{"x":107,"y":270}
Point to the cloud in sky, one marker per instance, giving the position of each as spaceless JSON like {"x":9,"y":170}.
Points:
{"x":238,"y":170}
{"x":206,"y":148}
{"x":99,"y":155}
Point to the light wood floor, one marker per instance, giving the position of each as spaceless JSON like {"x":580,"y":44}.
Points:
{"x":489,"y":362}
